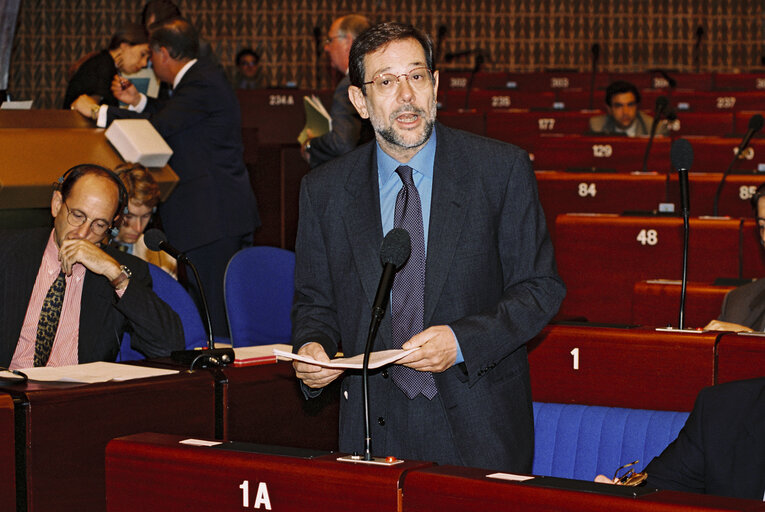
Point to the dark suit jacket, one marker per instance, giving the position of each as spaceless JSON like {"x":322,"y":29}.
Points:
{"x":745,"y":305}
{"x":605,"y":125}
{"x":348,"y":129}
{"x":155,"y":328}
{"x":721,"y":448}
{"x":490,"y":275}
{"x":201,"y":122}
{"x":93,"y":77}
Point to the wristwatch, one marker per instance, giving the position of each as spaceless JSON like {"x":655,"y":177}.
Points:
{"x":94,"y":109}
{"x":124,"y":276}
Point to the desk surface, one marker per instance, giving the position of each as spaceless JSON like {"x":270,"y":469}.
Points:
{"x":68,"y":426}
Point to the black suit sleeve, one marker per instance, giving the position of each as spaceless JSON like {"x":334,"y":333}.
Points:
{"x":680,"y":467}
{"x":155,"y":329}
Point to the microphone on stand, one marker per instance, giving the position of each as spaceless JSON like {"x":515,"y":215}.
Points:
{"x":157,"y":241}
{"x":439,"y":42}
{"x":394,"y":252}
{"x":681,"y":155}
{"x":480,"y":56}
{"x":595,"y":50}
{"x":697,"y":47}
{"x":755,"y":125}
{"x":660,"y":110}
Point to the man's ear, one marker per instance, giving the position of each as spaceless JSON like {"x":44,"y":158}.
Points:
{"x":359,"y":101}
{"x":56,"y":202}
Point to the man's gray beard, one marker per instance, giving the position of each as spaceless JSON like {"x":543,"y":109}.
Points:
{"x":390,"y":136}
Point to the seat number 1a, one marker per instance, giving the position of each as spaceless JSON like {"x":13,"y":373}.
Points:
{"x":261,"y":499}
{"x":648,"y":237}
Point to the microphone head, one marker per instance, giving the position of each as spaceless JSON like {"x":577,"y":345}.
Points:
{"x":153,"y":237}
{"x":681,"y":154}
{"x":595,"y":49}
{"x":396,"y":247}
{"x":661,"y":104}
{"x":441,"y":31}
{"x":699,"y":31}
{"x":755,"y":123}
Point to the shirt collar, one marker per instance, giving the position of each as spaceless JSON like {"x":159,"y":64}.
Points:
{"x":182,"y":72}
{"x":422,"y":162}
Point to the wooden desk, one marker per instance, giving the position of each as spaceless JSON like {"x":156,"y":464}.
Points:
{"x":456,"y":489}
{"x":278,"y":114}
{"x":39,"y":145}
{"x":264,"y":404}
{"x":7,"y":453}
{"x":485,"y":100}
{"x":154,"y":472}
{"x":66,"y":428}
{"x":740,"y":356}
{"x":739,"y":81}
{"x":601,"y":257}
{"x":656,"y":303}
{"x":635,"y":368}
{"x":752,"y":253}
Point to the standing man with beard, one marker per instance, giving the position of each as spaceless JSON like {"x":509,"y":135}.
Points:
{"x":480,"y":281}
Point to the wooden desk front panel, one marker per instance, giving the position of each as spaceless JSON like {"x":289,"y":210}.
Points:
{"x":740,"y":356}
{"x":7,"y":453}
{"x":739,"y":81}
{"x":264,"y":404}
{"x":470,"y":120}
{"x":456,"y":489}
{"x":752,"y":252}
{"x":620,"y":154}
{"x":485,"y":100}
{"x":637,"y":368}
{"x":68,"y":427}
{"x":657,"y":303}
{"x":601,"y":257}
{"x":278,"y":114}
{"x":154,"y":472}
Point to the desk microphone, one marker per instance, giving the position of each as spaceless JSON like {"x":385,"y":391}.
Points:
{"x":755,"y":125}
{"x":681,"y":155}
{"x":157,"y":241}
{"x":660,"y":110}
{"x":394,"y":252}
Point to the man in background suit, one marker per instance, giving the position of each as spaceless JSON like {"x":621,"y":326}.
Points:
{"x":481,"y":280}
{"x":623,"y":113}
{"x":211,"y":214}
{"x":103,"y":292}
{"x":743,"y":309}
{"x":348,"y":129}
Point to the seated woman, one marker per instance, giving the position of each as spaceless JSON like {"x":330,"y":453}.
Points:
{"x":143,"y":196}
{"x":128,"y":53}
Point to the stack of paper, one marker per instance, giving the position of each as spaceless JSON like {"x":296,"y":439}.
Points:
{"x":317,"y":119}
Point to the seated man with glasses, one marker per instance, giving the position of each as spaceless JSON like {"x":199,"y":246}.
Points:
{"x":66,"y":299}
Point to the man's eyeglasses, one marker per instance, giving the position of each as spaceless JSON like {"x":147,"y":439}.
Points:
{"x":76,"y":218}
{"x":329,"y":40}
{"x":630,"y":478}
{"x":387,"y":84}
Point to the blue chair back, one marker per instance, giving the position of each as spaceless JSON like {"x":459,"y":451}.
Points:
{"x":582,"y":441}
{"x":171,"y":291}
{"x":258,"y":287}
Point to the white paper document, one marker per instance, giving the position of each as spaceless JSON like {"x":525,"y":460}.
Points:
{"x":90,"y":373}
{"x":376,"y":359}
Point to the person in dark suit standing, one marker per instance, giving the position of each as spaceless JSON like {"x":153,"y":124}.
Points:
{"x":348,"y":129}
{"x":481,"y":279}
{"x":212,"y":213}
{"x":67,"y":299}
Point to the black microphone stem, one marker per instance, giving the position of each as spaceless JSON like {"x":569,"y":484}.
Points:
{"x":374,"y":324}
{"x":654,"y":124}
{"x":686,"y":232}
{"x":210,"y":341}
{"x":722,"y":183}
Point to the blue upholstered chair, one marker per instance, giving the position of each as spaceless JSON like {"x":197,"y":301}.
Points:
{"x":582,"y":441}
{"x":169,"y":290}
{"x":258,"y":288}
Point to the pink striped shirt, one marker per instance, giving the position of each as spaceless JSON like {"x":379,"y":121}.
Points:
{"x":65,"y":345}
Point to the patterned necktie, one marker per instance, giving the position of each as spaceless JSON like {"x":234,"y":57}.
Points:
{"x":408,"y":307}
{"x":49,"y":316}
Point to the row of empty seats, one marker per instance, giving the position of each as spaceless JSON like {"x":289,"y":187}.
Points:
{"x":551,"y":81}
